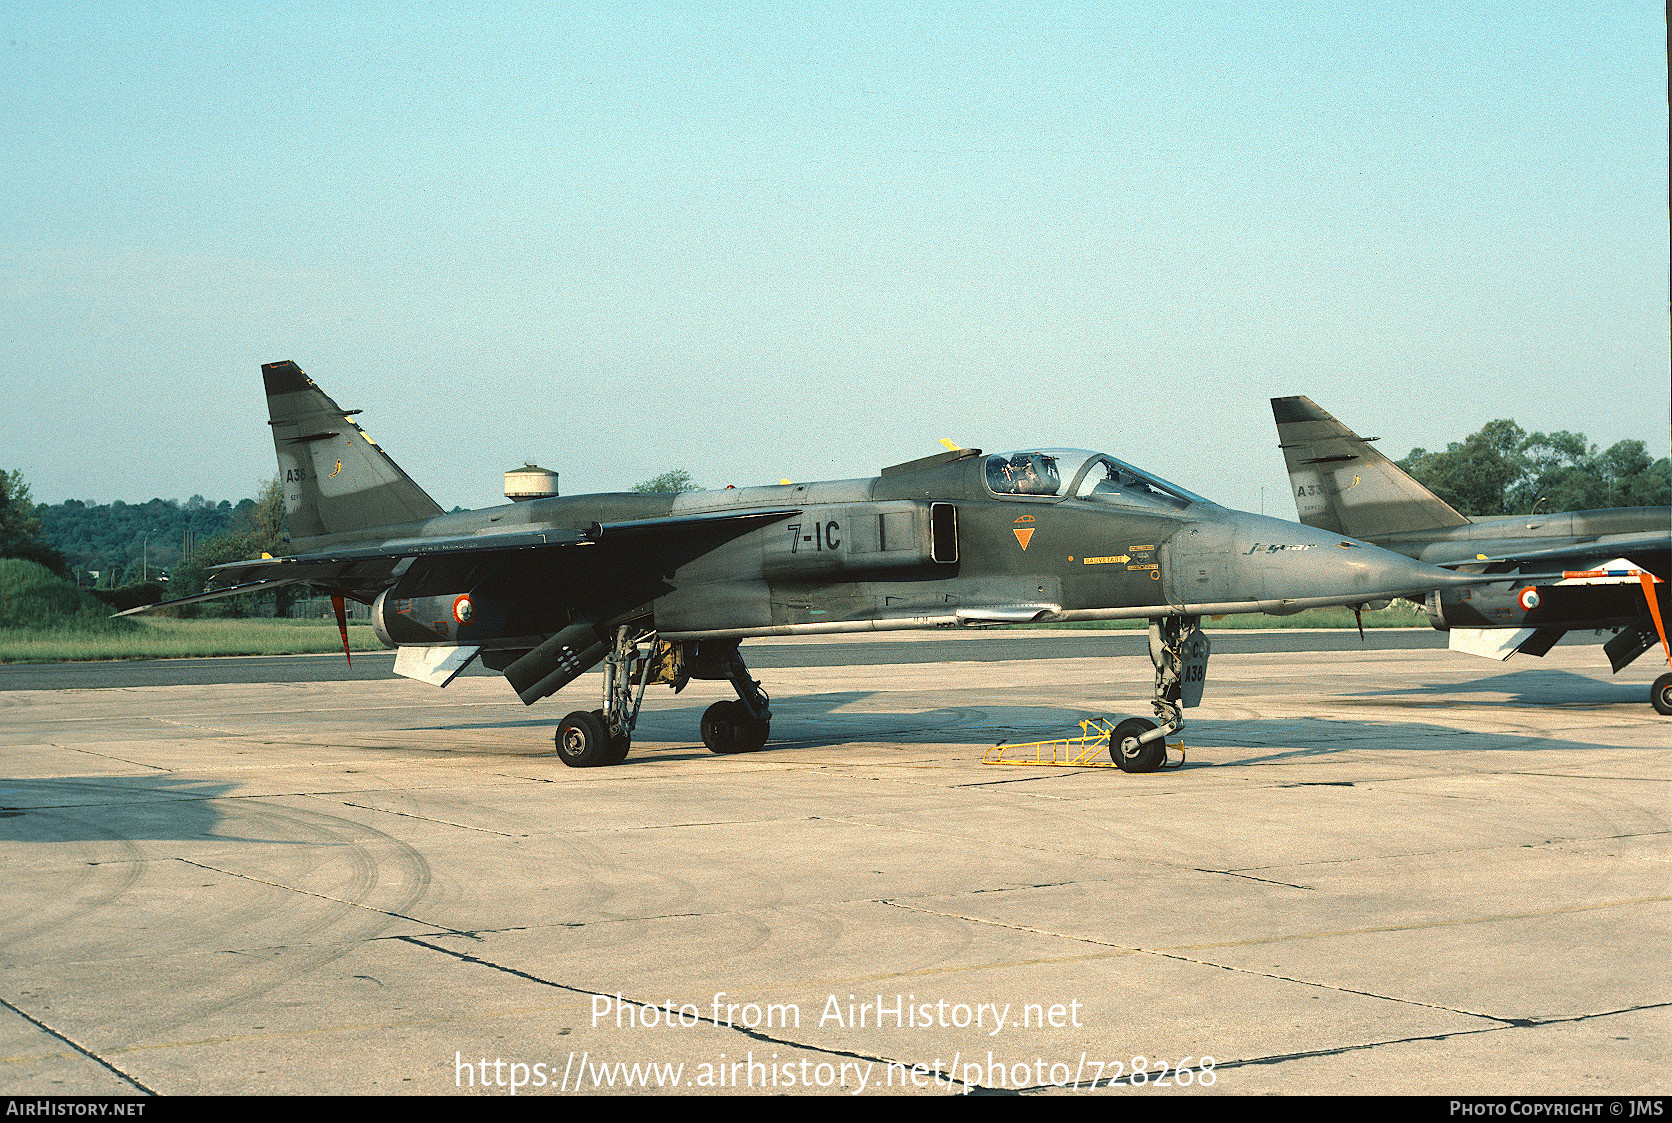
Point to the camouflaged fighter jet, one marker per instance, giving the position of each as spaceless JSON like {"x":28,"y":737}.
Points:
{"x":661,"y":588}
{"x":1566,"y":571}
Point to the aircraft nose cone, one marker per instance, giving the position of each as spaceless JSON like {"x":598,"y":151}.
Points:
{"x":1281,"y":563}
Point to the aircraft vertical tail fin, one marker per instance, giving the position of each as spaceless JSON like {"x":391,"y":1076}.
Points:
{"x":1342,"y":485}
{"x":336,"y":479}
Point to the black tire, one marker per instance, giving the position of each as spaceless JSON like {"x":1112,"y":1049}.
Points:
{"x":1141,"y":758}
{"x":727,"y":728}
{"x":619,"y":745}
{"x":1660,"y":695}
{"x":583,"y":741}
{"x":756,"y":734}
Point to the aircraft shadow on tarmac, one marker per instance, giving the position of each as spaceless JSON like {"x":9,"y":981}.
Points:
{"x":109,"y":809}
{"x":1533,"y":687}
{"x":823,"y":721}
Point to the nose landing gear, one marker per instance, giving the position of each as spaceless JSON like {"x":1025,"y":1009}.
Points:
{"x":1179,"y":650}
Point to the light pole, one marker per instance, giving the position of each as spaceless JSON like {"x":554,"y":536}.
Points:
{"x":144,"y":556}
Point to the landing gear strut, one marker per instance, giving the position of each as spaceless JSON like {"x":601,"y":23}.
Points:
{"x":743,"y":725}
{"x":603,"y":736}
{"x":588,"y":738}
{"x":1179,"y":650}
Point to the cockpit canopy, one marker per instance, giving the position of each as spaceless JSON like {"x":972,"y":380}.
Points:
{"x":1071,"y":472}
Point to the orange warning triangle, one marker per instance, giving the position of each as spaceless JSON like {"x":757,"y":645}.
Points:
{"x":1023,"y":536}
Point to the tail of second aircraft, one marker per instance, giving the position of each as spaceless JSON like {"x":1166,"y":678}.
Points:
{"x":336,"y":480}
{"x":1343,"y":485}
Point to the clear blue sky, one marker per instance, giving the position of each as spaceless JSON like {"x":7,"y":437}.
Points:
{"x":806,"y":241}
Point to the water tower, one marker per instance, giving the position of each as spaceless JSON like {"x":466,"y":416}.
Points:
{"x":530,"y":482}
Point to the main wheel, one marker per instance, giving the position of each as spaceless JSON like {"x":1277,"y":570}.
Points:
{"x":618,"y":744}
{"x":583,"y":741}
{"x":618,"y":750}
{"x":1125,"y":750}
{"x":728,"y":728}
{"x":1660,"y":695}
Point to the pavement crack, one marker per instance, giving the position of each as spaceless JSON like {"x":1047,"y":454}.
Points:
{"x":1504,"y":1024}
{"x":85,"y":751}
{"x":1452,"y":922}
{"x":1564,"y":840}
{"x":713,"y":1020}
{"x":77,"y":1046}
{"x":1251,"y":877}
{"x":1197,"y":961}
{"x":428,"y":819}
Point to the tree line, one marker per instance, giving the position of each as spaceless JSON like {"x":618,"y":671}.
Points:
{"x":112,"y":539}
{"x":1504,"y":470}
{"x":142,"y":547}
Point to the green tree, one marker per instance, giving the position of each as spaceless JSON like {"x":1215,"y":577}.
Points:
{"x":1474,"y":474}
{"x":1559,"y":473}
{"x":267,"y":517}
{"x":257,"y":529}
{"x":21,"y":534}
{"x":108,"y":536}
{"x":1504,"y":470}
{"x":675,"y":481}
{"x":1634,"y":480}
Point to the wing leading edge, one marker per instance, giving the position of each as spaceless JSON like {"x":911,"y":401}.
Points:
{"x":361,"y":572}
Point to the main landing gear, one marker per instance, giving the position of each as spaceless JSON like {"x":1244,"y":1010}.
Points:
{"x":743,"y":725}
{"x":588,"y":738}
{"x":1179,"y":650}
{"x":1660,"y":695}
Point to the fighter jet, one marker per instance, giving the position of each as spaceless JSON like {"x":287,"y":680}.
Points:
{"x":662,"y":588}
{"x":1569,"y":571}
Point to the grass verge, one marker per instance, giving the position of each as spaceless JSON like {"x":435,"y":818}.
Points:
{"x":157,"y":637}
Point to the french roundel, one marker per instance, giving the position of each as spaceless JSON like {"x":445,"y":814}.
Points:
{"x":1528,"y":599}
{"x":462,"y":609}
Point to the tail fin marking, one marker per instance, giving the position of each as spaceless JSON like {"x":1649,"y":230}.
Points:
{"x":336,"y":479}
{"x":1342,"y":485}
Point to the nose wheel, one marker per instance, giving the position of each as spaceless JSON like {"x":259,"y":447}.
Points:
{"x":1179,"y":650}
{"x":1132,"y":754}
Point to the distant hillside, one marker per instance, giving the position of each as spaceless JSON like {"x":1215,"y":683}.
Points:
{"x":32,"y":597}
{"x":112,"y":537}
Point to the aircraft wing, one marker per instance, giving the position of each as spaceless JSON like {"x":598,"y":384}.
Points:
{"x":229,"y":591}
{"x":408,"y":548}
{"x":1651,"y":550}
{"x":361,"y":571}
